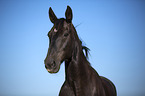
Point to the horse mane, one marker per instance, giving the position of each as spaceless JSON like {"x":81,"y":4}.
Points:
{"x":86,"y":49}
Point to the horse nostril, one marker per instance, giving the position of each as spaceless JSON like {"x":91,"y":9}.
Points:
{"x":50,"y":65}
{"x":53,"y":64}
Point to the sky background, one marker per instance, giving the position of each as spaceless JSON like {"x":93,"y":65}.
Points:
{"x":113,"y":30}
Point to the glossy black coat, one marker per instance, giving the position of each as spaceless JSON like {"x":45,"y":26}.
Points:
{"x":80,"y":78}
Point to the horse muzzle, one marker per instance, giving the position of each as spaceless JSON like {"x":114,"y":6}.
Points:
{"x":52,"y":66}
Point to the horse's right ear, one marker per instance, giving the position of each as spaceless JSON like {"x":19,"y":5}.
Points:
{"x":52,"y":16}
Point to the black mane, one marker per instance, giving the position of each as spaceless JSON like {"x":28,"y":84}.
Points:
{"x":86,"y":49}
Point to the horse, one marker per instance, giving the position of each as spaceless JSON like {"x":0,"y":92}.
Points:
{"x":65,"y":46}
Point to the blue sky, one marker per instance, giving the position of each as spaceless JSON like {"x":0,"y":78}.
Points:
{"x":113,"y":30}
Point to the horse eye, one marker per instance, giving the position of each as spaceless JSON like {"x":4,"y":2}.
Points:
{"x":66,"y":28}
{"x":66,"y":34}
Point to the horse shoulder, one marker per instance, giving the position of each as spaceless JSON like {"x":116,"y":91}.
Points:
{"x":96,"y":83}
{"x":109,"y":87}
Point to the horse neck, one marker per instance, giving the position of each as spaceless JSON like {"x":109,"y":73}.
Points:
{"x":77,"y":61}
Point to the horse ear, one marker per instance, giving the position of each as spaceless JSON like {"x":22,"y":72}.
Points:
{"x":68,"y":14}
{"x":52,"y":16}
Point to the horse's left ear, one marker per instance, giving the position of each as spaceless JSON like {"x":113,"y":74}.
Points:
{"x":68,"y":14}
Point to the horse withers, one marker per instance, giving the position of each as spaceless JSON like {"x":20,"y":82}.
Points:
{"x":64,"y":45}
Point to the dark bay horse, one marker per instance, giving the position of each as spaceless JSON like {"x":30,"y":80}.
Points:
{"x":64,"y":45}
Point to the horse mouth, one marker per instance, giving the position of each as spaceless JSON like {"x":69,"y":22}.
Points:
{"x":52,"y":71}
{"x":48,"y":70}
